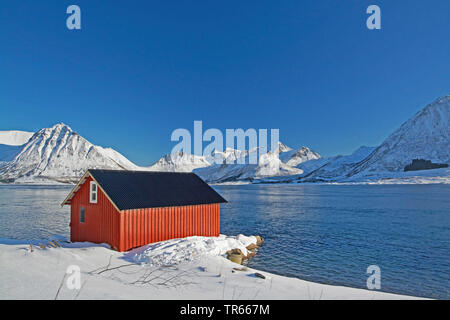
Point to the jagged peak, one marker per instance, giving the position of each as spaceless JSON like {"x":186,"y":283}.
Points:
{"x":60,"y":126}
{"x":438,"y":110}
{"x":178,"y":155}
{"x":282,"y":147}
{"x":443,"y":99}
{"x":438,"y":104}
{"x":55,"y":128}
{"x":306,"y":150}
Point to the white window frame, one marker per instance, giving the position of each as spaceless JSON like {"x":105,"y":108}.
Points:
{"x":91,"y":192}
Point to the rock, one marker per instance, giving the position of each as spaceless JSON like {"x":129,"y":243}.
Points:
{"x":241,"y":269}
{"x":422,"y":164}
{"x":236,"y":258}
{"x":56,"y":243}
{"x":50,"y":244}
{"x":235,"y":251}
{"x":259,"y":240}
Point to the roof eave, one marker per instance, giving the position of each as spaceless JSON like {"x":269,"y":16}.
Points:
{"x":78,"y":186}
{"x":75,"y":189}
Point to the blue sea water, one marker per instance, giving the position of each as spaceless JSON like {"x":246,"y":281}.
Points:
{"x":322,"y":233}
{"x":332,"y":233}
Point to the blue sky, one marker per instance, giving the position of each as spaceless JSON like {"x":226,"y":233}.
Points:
{"x":140,"y":69}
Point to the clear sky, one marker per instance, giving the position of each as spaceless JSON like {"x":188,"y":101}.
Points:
{"x":137,"y":70}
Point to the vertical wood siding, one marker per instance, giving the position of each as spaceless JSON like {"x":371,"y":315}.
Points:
{"x":101,"y":219}
{"x":128,"y":229}
{"x":142,"y":226}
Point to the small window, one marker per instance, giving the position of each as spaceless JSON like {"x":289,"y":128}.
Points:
{"x":93,"y":193}
{"x":82,"y":217}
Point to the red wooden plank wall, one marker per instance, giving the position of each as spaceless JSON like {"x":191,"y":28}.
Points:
{"x":101,"y":219}
{"x":142,"y":226}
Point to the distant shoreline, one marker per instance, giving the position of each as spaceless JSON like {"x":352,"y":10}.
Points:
{"x":445,"y":180}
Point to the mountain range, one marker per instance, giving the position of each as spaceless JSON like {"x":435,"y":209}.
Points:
{"x":59,"y":154}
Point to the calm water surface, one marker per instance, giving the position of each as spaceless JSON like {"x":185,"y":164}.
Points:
{"x":322,"y":233}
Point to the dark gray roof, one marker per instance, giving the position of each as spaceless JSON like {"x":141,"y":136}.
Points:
{"x":148,"y":189}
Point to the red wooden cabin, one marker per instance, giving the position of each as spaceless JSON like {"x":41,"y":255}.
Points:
{"x":128,"y":209}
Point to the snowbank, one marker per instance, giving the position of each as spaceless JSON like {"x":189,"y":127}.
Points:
{"x":176,"y":251}
{"x":15,"y":137}
{"x":197,"y":270}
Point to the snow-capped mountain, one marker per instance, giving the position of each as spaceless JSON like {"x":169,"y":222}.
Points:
{"x":60,"y":154}
{"x":179,"y":162}
{"x":235,"y":156}
{"x":334,"y":168}
{"x":269,"y":166}
{"x":15,"y":137}
{"x":229,"y":155}
{"x":11,"y":142}
{"x":282,"y":148}
{"x":186,"y":162}
{"x":425,"y":136}
{"x":295,"y":157}
{"x":225,"y":166}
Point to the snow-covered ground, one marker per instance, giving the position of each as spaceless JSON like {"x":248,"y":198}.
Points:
{"x":434,"y":176}
{"x":190,"y":268}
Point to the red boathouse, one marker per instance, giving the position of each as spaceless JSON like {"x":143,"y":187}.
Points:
{"x":128,"y":209}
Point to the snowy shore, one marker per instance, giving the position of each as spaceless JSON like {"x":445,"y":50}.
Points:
{"x":190,"y":268}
